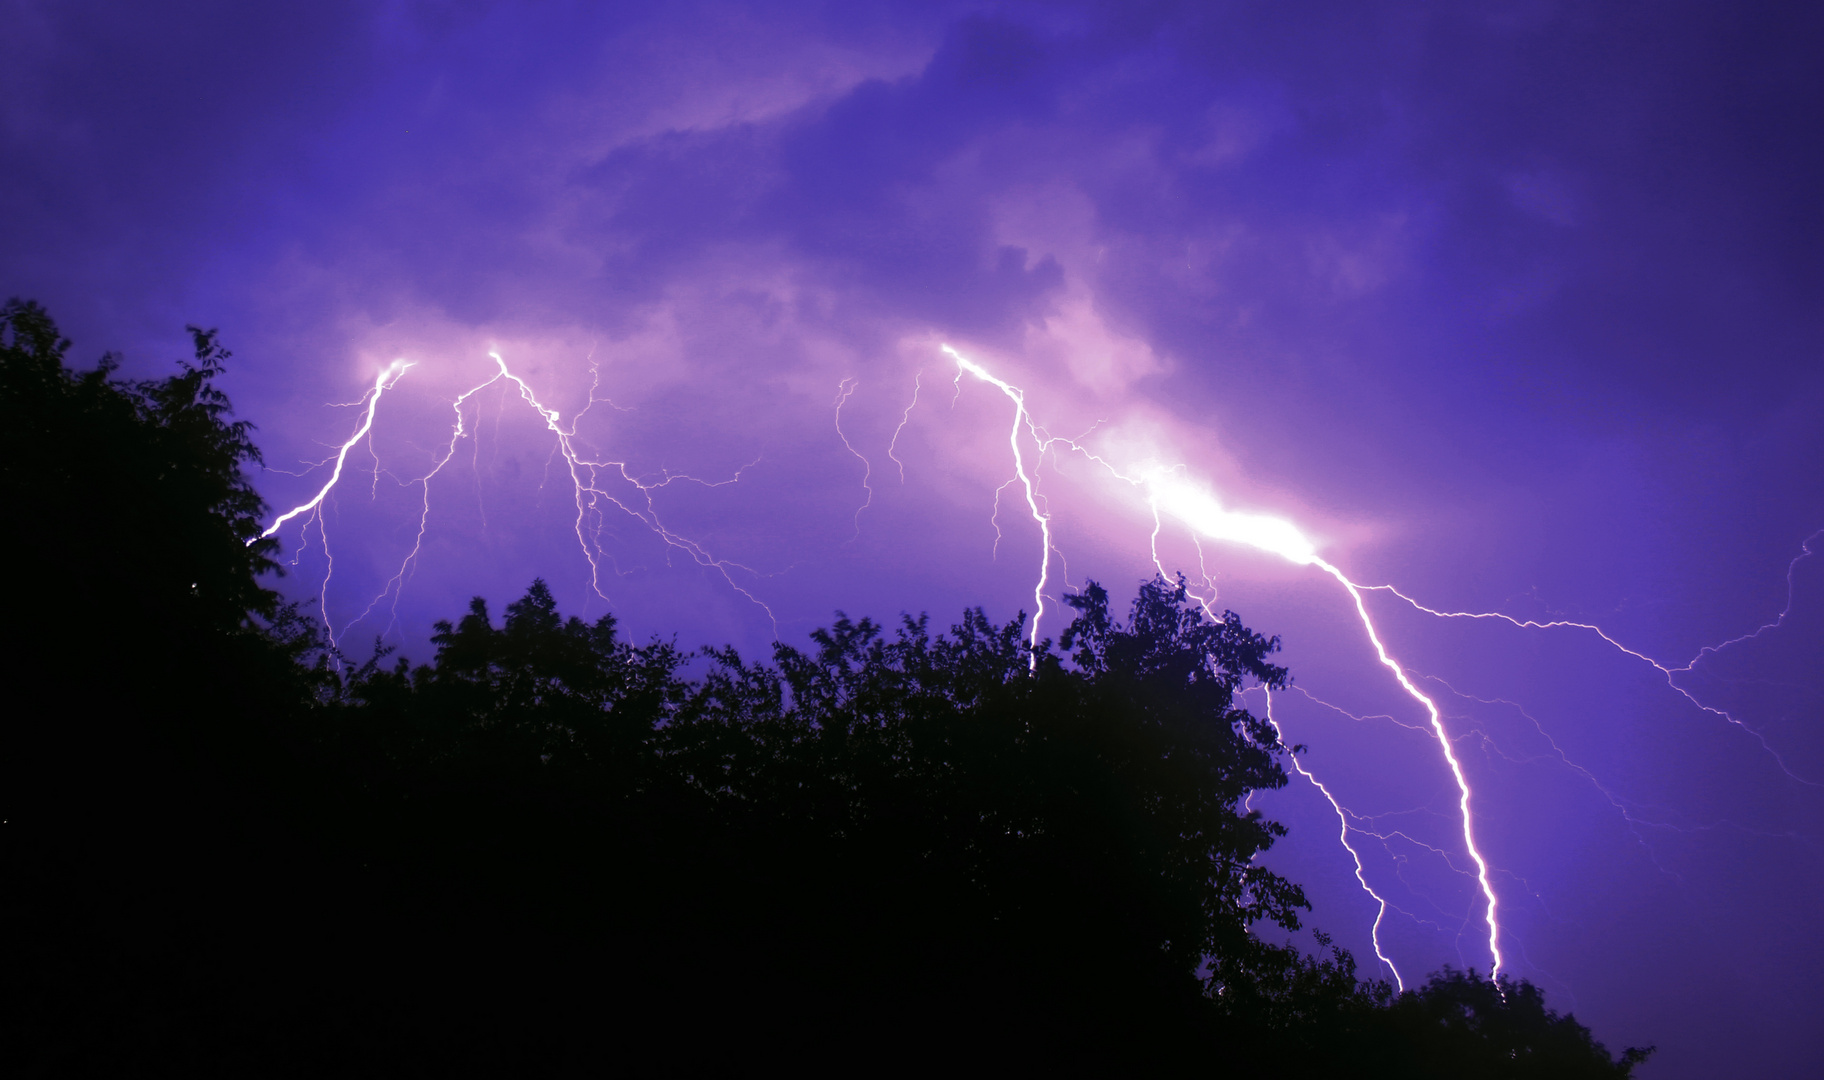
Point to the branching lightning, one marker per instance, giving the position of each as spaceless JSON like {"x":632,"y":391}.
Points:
{"x":1021,"y":419}
{"x":1671,"y":673}
{"x":382,"y":383}
{"x":600,"y":486}
{"x":586,"y":476}
{"x":844,"y":391}
{"x":1342,"y":820}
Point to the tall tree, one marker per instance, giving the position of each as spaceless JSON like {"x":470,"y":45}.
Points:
{"x":145,"y":663}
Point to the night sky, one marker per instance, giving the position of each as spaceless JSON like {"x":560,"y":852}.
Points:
{"x":1516,"y":307}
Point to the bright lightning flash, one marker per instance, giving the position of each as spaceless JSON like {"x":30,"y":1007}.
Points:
{"x":1168,"y":493}
{"x":382,"y":383}
{"x":1021,"y":419}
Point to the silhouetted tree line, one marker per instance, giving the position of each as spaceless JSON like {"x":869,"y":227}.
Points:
{"x":553,"y":850}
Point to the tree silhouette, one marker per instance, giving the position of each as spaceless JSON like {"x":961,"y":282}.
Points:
{"x":141,"y":484}
{"x":146,"y":663}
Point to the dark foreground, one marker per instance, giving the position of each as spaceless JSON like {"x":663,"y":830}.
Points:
{"x":228,"y":850}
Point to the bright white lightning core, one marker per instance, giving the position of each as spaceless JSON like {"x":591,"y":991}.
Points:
{"x":1021,"y":419}
{"x":1169,"y":491}
{"x":382,"y":383}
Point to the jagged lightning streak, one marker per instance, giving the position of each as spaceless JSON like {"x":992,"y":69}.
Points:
{"x":1671,"y":673}
{"x":1200,"y":512}
{"x":583,"y":476}
{"x":382,"y":383}
{"x":1387,"y":836}
{"x":904,"y":419}
{"x":1020,"y":419}
{"x":1169,"y":492}
{"x":844,"y":391}
{"x":1450,"y":758}
{"x":1342,"y":821}
{"x":587,"y":494}
{"x":1356,"y":822}
{"x":396,"y":584}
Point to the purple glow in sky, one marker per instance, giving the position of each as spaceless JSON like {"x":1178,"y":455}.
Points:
{"x":1514,"y":308}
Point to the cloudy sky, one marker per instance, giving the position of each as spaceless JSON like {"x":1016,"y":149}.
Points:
{"x":1517,"y":307}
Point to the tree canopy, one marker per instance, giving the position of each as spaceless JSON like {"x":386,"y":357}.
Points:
{"x":549,"y":848}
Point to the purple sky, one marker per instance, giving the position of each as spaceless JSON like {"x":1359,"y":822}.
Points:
{"x":1518,"y":307}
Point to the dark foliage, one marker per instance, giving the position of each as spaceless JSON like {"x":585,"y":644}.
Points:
{"x":882,"y":827}
{"x":552,"y":850}
{"x":138,"y":483}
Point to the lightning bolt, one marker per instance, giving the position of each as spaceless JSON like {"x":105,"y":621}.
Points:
{"x":844,"y":391}
{"x":311,"y":509}
{"x":1021,"y":419}
{"x":1366,"y":824}
{"x":1168,"y":492}
{"x":585,"y":473}
{"x":382,"y":383}
{"x":904,"y":419}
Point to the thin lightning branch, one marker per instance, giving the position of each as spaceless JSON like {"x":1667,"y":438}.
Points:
{"x":844,"y":391}
{"x":396,"y":584}
{"x":373,"y":491}
{"x":904,"y":418}
{"x":1670,"y":673}
{"x":1342,"y":821}
{"x":1208,"y":604}
{"x":1203,"y":571}
{"x":1445,"y":855}
{"x":1557,"y":751}
{"x":1792,"y":567}
{"x":583,"y":472}
{"x":1020,"y":419}
{"x":1389,"y":717}
{"x":587,"y":495}
{"x":994,"y":518}
{"x":1627,"y":808}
